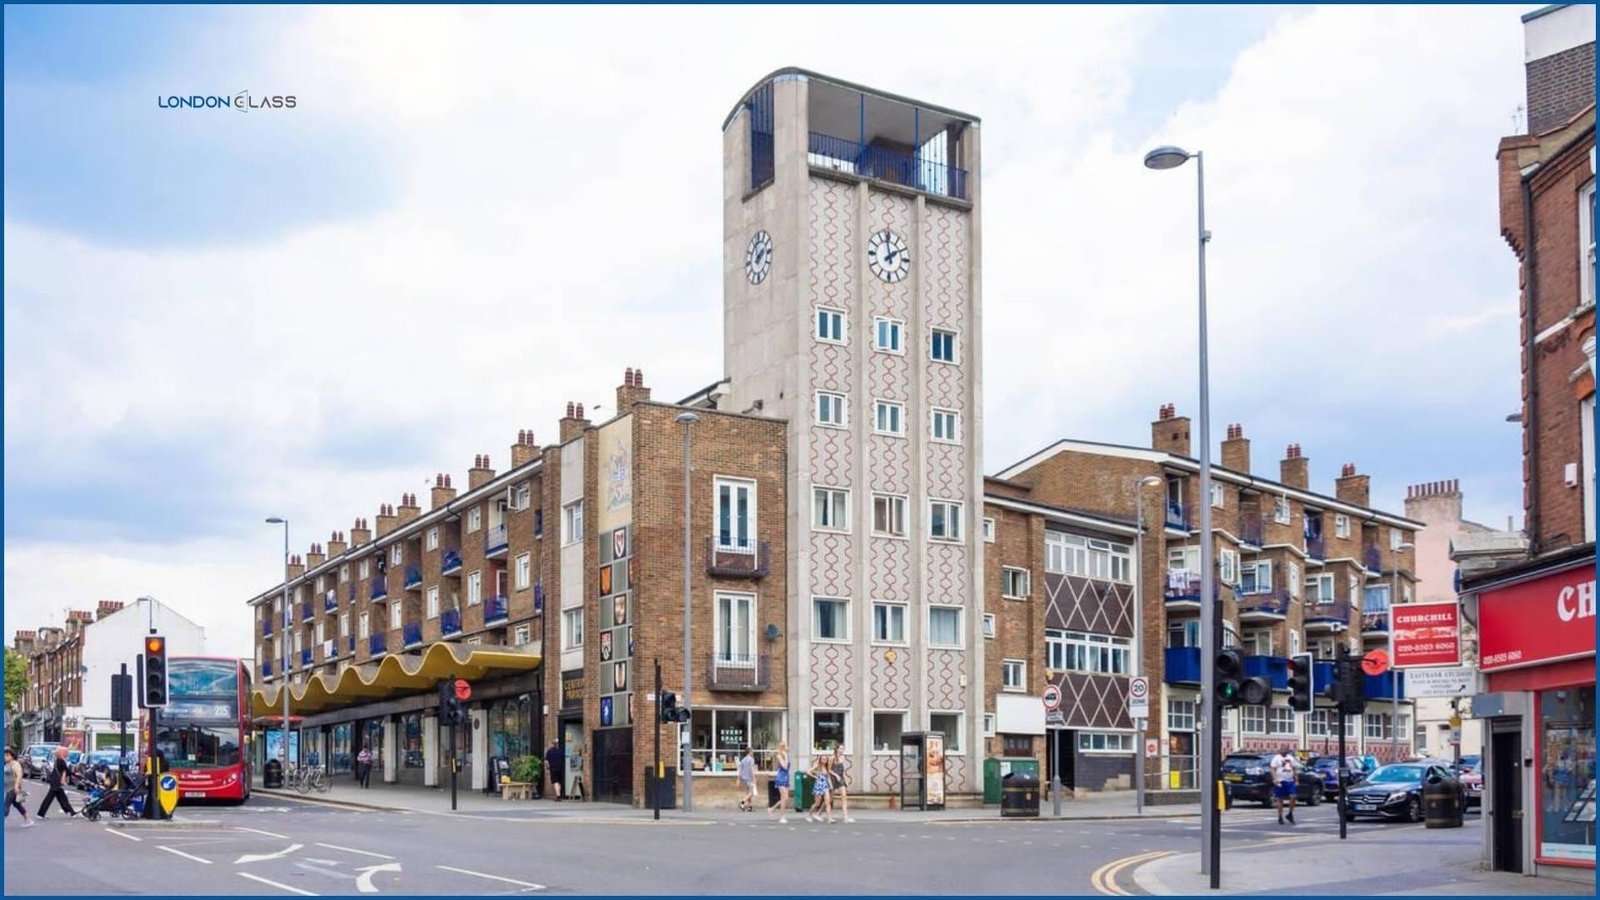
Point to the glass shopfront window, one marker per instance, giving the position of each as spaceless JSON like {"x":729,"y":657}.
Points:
{"x":1566,"y":774}
{"x":372,"y":739}
{"x":510,"y":729}
{"x":720,"y":735}
{"x":411,"y":740}
{"x":340,"y":756}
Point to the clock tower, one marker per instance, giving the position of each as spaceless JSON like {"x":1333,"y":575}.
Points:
{"x":851,"y":308}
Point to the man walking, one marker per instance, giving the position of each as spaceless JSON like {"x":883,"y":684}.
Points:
{"x":1283,"y":782}
{"x":364,"y":767}
{"x":555,"y":763}
{"x":56,"y":779}
{"x":747,"y":780}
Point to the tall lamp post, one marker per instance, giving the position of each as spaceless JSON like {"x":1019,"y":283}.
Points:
{"x":1138,"y":629}
{"x":283,"y":640}
{"x":687,"y":420}
{"x":1169,"y":157}
{"x":1394,"y":674}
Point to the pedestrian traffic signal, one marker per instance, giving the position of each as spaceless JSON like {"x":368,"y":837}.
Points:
{"x":451,"y":710}
{"x":667,"y":703}
{"x":1301,"y":683}
{"x":153,"y":672}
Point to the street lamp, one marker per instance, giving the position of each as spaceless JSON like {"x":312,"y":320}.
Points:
{"x":1394,"y":674}
{"x":1169,"y":157}
{"x":1138,"y":628}
{"x":687,"y":420}
{"x":283,"y":640}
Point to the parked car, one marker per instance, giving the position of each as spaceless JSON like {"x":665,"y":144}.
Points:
{"x":1395,"y":791}
{"x":1328,"y":768}
{"x":1248,"y":777}
{"x":37,"y":760}
{"x":1470,"y":771}
{"x":92,"y":767}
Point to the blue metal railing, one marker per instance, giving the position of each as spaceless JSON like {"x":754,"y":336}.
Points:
{"x":266,"y":669}
{"x":413,"y":577}
{"x":377,"y":643}
{"x":380,"y":588}
{"x":495,"y":609}
{"x":352,"y":592}
{"x":305,"y":657}
{"x":266,"y":627}
{"x":1250,"y":530}
{"x":538,"y":596}
{"x":494,"y":539}
{"x":451,"y":562}
{"x":450,"y":622}
{"x":1186,"y":592}
{"x":1177,"y":516}
{"x":1182,"y":665}
{"x":1373,"y":559}
{"x":1315,"y":548}
{"x":1375,"y":621}
{"x":306,"y":612}
{"x":1337,"y":611}
{"x":1275,"y":603}
{"x":330,"y":601}
{"x":412,"y":633}
{"x":1273,"y":668}
{"x":1322,"y":675}
{"x":1382,"y":687}
{"x":885,"y":164}
{"x":350,"y":643}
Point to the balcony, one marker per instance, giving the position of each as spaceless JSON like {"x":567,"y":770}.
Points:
{"x":330,"y":601}
{"x":1315,"y":548}
{"x":412,"y":634}
{"x":307,"y":612}
{"x":378,"y":644}
{"x":1250,"y":531}
{"x":1332,"y":615}
{"x":380,"y":588}
{"x":494,"y":541}
{"x":413,"y":578}
{"x":305,"y":658}
{"x":886,"y":164}
{"x":1372,"y":558}
{"x":1182,"y":665}
{"x":1375,"y":622}
{"x":266,"y":627}
{"x":350,"y":643}
{"x":266,"y":669}
{"x":1183,"y":589}
{"x":451,"y":563}
{"x":538,"y":596}
{"x":1382,"y":687}
{"x":1272,"y":606}
{"x":1322,"y":675}
{"x":752,"y":562}
{"x":1273,"y":668}
{"x":1177,"y":516}
{"x":450,"y":622}
{"x":495,"y":609}
{"x":738,"y":673}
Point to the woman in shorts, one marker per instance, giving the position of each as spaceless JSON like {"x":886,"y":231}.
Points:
{"x":780,"y":780}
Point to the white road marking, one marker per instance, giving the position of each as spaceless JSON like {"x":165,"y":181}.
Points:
{"x":259,"y":831}
{"x":185,"y":855}
{"x":285,"y":887}
{"x":120,"y":833}
{"x":258,"y":857}
{"x":526,"y":884}
{"x":364,"y":883}
{"x":354,"y":850}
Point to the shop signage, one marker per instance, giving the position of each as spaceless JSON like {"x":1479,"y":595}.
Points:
{"x":1455,"y":681}
{"x":572,"y":689}
{"x":1426,"y":634}
{"x":1538,"y":621}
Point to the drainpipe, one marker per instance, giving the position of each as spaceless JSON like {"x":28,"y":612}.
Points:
{"x":1530,"y":421}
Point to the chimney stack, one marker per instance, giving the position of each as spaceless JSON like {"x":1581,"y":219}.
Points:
{"x":360,"y":534}
{"x":1170,"y":432}
{"x":1435,"y":501}
{"x":314,"y":556}
{"x":297,"y":567}
{"x":480,"y":474}
{"x":1353,"y":488}
{"x":442,"y":491}
{"x":1295,"y":470}
{"x":386,"y":519}
{"x":524,"y":451}
{"x":1236,"y":450}
{"x":632,"y":391}
{"x":408,"y":508}
{"x":106,"y":608}
{"x":336,"y":544}
{"x":573,"y":423}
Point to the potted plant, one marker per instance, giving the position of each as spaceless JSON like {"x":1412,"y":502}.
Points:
{"x":527,"y":769}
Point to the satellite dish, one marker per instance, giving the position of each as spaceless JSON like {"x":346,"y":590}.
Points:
{"x":772,"y":632}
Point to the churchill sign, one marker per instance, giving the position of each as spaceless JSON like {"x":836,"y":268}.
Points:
{"x":1426,"y":634}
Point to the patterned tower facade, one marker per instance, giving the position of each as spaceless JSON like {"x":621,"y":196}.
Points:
{"x":851,"y":309}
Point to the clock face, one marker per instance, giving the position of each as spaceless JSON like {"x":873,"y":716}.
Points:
{"x":888,"y":256}
{"x":758,"y":257}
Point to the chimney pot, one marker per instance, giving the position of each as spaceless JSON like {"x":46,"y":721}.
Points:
{"x":570,"y":409}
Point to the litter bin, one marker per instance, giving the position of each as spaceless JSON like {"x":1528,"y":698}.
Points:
{"x":1441,"y":802}
{"x":272,"y":774}
{"x":666,"y":789}
{"x":772,"y":792}
{"x":804,"y":783}
{"x":1019,"y":795}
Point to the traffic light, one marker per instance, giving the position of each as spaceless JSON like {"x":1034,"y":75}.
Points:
{"x":1352,"y":688}
{"x":1230,"y":678}
{"x":153,"y":672}
{"x":451,"y":710}
{"x":667,"y":703}
{"x":1301,"y":684}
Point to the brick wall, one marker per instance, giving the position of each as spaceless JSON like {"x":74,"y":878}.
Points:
{"x":1559,"y":87}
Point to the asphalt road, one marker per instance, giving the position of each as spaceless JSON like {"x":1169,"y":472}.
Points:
{"x":277,"y":847}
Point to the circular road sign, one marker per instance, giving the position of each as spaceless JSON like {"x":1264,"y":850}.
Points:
{"x":1139,"y":688}
{"x":463,"y":690}
{"x":1051,"y":698}
{"x":1376,"y":662}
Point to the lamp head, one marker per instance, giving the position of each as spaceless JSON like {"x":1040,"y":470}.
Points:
{"x":1150,"y":481}
{"x":276,"y":521}
{"x":687,"y":418}
{"x":1166,"y":157}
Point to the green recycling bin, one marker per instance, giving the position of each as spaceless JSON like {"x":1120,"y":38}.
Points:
{"x":995,"y":768}
{"x":804,"y":783}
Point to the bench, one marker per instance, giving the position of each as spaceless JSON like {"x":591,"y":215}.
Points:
{"x":516,"y":790}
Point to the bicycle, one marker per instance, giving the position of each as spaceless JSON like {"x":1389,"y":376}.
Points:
{"x":311,"y":778}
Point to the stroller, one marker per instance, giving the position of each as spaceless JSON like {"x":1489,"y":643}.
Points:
{"x":126,"y":801}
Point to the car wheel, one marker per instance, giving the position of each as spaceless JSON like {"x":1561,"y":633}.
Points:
{"x":1349,"y":817}
{"x":1414,"y":810}
{"x":1316,"y":798}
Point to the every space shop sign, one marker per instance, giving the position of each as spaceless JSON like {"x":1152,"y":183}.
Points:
{"x":1426,"y":634}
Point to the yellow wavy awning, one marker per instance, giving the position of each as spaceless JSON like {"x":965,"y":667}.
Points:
{"x":393,"y":675}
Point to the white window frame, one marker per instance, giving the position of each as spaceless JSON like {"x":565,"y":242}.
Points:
{"x":817,"y":601}
{"x":1218,"y":496}
{"x":889,"y":418}
{"x":396,"y":615}
{"x":572,"y":523}
{"x":1280,"y":720}
{"x":1083,"y":651}
{"x":894,"y":749}
{"x":894,"y":329}
{"x":572,"y":628}
{"x":1122,"y":741}
{"x":739,"y":541}
{"x":433,"y":603}
{"x":522,"y":634}
{"x":366,"y":569}
{"x":729,"y":653}
{"x":320,"y":586}
{"x":1586,"y":228}
{"x":1587,"y":473}
{"x":433,"y":538}
{"x":884,"y":637}
{"x":1015,"y":583}
{"x":1395,"y":539}
{"x":1341,"y":525}
{"x":1262,"y":569}
{"x":1296,"y":588}
{"x":1013,"y":675}
{"x":1180,"y":715}
{"x":474,"y":519}
{"x":988,"y":724}
{"x":344,"y":624}
{"x":1320,"y":580}
{"x":988,"y":529}
{"x":960,"y":615}
{"x":944,"y":426}
{"x":953,"y":744}
{"x":989,"y":625}
{"x":1228,"y":562}
{"x":952,"y":514}
{"x":830,"y":410}
{"x":1055,"y":650}
{"x":524,"y":571}
{"x":955,"y":346}
{"x":1281,"y":511}
{"x":892,"y":522}
{"x":1253,"y":719}
{"x":844,"y":716}
{"x":397,"y":554}
{"x":832,"y":326}
{"x":344,"y":575}
{"x":474,"y":588}
{"x":363,"y":627}
{"x":322,"y":631}
{"x":836,"y":503}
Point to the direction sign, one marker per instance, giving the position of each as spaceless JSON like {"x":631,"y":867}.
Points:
{"x":463,"y":689}
{"x":1051,"y":698}
{"x":1376,"y":662}
{"x":1054,"y":719}
{"x":1454,"y":681}
{"x":1139,"y":698}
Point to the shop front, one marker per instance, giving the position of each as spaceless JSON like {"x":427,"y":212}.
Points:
{"x":1537,"y":654}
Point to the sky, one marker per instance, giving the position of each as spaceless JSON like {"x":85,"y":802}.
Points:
{"x":475,"y":215}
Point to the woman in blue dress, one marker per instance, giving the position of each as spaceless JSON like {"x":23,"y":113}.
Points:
{"x":821,"y":790}
{"x":780,"y":780}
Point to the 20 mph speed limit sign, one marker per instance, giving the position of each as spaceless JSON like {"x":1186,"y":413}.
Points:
{"x":1139,"y":698}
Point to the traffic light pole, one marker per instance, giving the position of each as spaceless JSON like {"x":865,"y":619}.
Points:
{"x":1343,"y":662}
{"x":655,"y":793}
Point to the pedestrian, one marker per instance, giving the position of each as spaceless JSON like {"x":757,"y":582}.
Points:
{"x":364,"y":767}
{"x":1283,"y":782}
{"x":56,"y":779}
{"x":780,"y":780}
{"x":14,"y":793}
{"x":821,"y":790}
{"x":837,"y":768}
{"x":747,"y":780}
{"x":555,"y":763}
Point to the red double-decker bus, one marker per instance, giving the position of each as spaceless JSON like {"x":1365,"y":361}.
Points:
{"x":202,"y":729}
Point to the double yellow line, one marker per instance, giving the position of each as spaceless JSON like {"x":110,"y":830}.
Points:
{"x":1104,"y":878}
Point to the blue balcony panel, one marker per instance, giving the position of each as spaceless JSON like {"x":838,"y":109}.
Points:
{"x":305,"y":657}
{"x":377,"y":644}
{"x":450,"y":564}
{"x":412,"y":633}
{"x":413,"y":578}
{"x":1182,"y":665}
{"x":380,"y":588}
{"x":1273,"y":668}
{"x":1382,"y":687}
{"x":495,"y":609}
{"x":450,"y":621}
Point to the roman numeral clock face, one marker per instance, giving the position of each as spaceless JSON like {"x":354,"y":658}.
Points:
{"x":888,"y":257}
{"x":758,"y":257}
